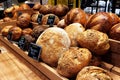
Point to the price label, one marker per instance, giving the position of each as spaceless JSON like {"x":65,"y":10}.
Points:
{"x":34,"y":51}
{"x":39,"y":19}
{"x":9,"y":36}
{"x":21,"y":43}
{"x":51,"y":19}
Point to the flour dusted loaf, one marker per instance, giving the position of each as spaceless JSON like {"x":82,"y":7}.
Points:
{"x":73,"y":30}
{"x":73,"y":60}
{"x":54,"y":41}
{"x":93,"y":73}
{"x":94,"y":40}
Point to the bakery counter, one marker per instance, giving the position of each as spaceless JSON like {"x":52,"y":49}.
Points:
{"x":38,"y":70}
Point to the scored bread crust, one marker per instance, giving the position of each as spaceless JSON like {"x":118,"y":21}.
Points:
{"x":54,"y":41}
{"x":73,"y":60}
{"x":93,"y":73}
{"x":94,"y":40}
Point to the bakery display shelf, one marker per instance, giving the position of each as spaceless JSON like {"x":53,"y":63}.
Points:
{"x":48,"y":71}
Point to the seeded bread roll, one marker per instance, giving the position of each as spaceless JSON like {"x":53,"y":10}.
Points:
{"x":73,"y":30}
{"x":93,"y":73}
{"x":76,"y":15}
{"x":54,"y":42}
{"x":94,"y":40}
{"x":72,"y":61}
{"x":100,"y":21}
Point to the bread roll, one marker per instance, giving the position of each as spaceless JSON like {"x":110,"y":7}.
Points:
{"x":46,"y":17}
{"x":100,"y":21}
{"x":115,"y":32}
{"x":23,"y":20}
{"x":8,"y":12}
{"x":16,"y":32}
{"x":93,"y":73}
{"x":72,"y":61}
{"x":94,"y":40}
{"x":24,"y":7}
{"x":73,"y":30}
{"x":46,"y":9}
{"x":5,"y":30}
{"x":34,"y":17}
{"x":27,"y":31}
{"x":76,"y":15}
{"x":60,"y":10}
{"x":36,"y":6}
{"x":54,"y":41}
{"x":115,"y":18}
{"x":7,"y":19}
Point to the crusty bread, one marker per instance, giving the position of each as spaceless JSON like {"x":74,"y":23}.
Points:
{"x":94,"y":40}
{"x":73,"y":30}
{"x":73,"y":60}
{"x":93,"y":73}
{"x":54,"y":41}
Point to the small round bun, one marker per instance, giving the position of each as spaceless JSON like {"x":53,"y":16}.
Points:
{"x":54,"y":41}
{"x":27,"y":31}
{"x":16,"y":32}
{"x":36,"y":6}
{"x":93,"y":73}
{"x":7,"y":19}
{"x":23,"y":20}
{"x":24,"y":7}
{"x":72,"y":61}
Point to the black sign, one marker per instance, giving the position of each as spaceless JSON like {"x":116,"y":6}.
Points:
{"x":21,"y":43}
{"x":51,"y":19}
{"x":9,"y":36}
{"x":34,"y":51}
{"x":39,"y":19}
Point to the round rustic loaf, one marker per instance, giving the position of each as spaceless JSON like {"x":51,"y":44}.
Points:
{"x":94,"y":40}
{"x":72,"y":61}
{"x":73,"y":30}
{"x":100,"y":21}
{"x":54,"y":41}
{"x":93,"y":73}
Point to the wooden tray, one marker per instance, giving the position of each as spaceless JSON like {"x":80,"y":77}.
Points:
{"x":48,"y":71}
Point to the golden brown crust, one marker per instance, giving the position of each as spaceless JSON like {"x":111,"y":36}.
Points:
{"x":61,"y":23}
{"x":46,"y":9}
{"x":93,"y":73}
{"x":73,"y":30}
{"x":16,"y":32}
{"x":100,"y":21}
{"x":115,"y":32}
{"x":7,"y":19}
{"x":54,"y":41}
{"x":76,"y":15}
{"x":60,"y":10}
{"x":94,"y":40}
{"x":73,"y":60}
{"x":23,"y":20}
{"x":27,"y":31}
{"x":37,"y":6}
{"x":45,"y":19}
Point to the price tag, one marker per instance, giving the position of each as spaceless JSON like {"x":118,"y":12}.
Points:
{"x":39,"y":19}
{"x":34,"y":51}
{"x":51,"y":19}
{"x":21,"y":43}
{"x":9,"y":36}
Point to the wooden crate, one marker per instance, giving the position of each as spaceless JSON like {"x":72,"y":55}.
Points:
{"x":48,"y":71}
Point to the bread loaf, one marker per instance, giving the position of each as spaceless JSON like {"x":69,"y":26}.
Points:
{"x":94,"y":40}
{"x":100,"y":21}
{"x":72,"y":61}
{"x":76,"y":15}
{"x":93,"y":73}
{"x":73,"y":30}
{"x":54,"y":41}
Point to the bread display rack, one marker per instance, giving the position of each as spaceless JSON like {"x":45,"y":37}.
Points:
{"x":50,"y":72}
